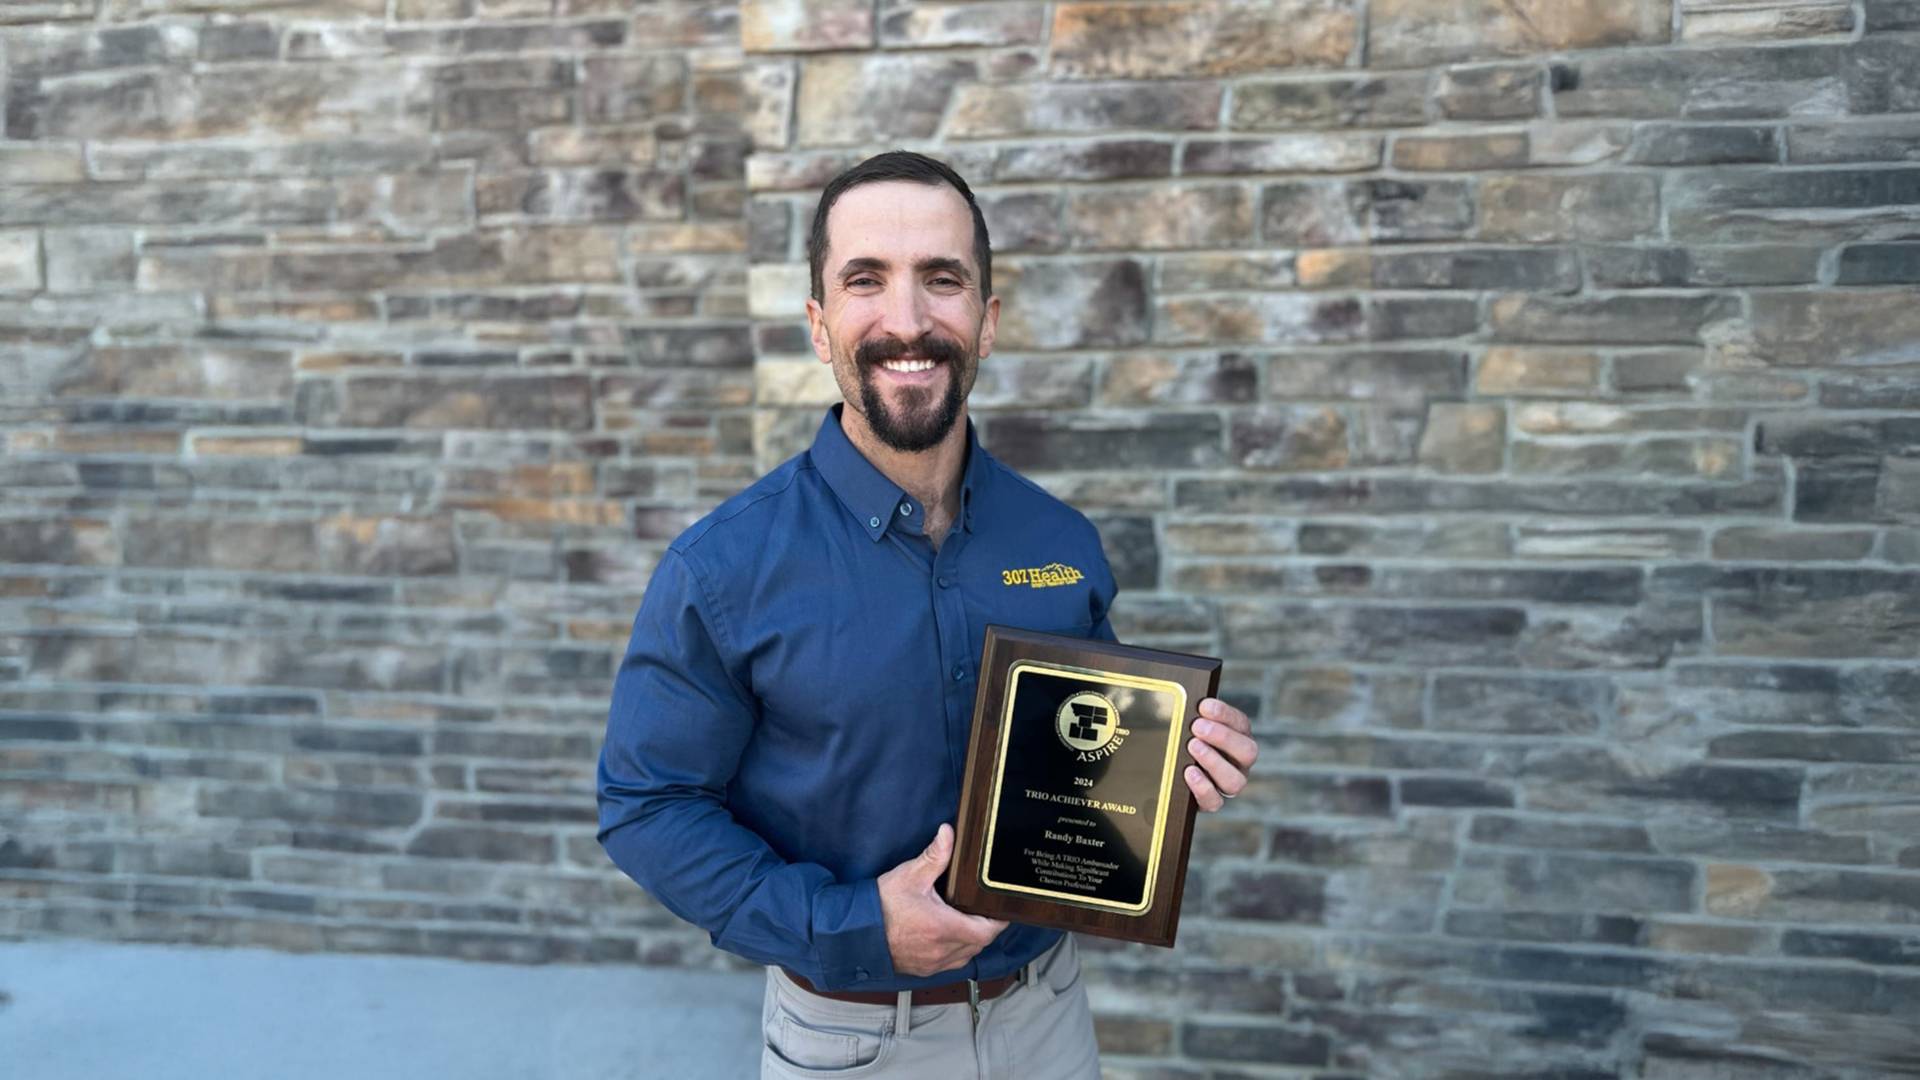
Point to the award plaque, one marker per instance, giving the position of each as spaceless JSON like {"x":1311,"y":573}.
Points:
{"x":1075,"y":812}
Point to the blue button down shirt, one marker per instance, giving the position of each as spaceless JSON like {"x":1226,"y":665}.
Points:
{"x":791,"y":717}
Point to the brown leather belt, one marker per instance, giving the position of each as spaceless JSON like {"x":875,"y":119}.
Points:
{"x":950,"y":994}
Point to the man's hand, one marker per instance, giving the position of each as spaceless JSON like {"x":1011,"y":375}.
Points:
{"x":925,"y":935}
{"x":1224,"y":751}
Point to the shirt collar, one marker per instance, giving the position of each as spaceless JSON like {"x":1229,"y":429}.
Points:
{"x":875,"y":501}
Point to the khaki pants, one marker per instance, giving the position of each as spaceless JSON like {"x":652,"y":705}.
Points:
{"x":1038,"y":1030}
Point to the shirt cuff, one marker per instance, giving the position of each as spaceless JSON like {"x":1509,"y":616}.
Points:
{"x":850,"y":936}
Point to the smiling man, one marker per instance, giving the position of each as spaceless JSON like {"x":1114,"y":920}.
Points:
{"x":789,"y":724}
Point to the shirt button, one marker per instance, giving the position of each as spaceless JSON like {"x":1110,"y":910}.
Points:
{"x":860,"y":973}
{"x":873,"y":523}
{"x":959,"y":673}
{"x":906,"y":509}
{"x":943,"y":582}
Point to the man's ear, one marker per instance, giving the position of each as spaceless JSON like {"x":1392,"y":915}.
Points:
{"x":817,"y":331}
{"x":989,"y":325}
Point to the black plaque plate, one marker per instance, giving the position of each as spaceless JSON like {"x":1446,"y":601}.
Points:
{"x":1075,"y":813}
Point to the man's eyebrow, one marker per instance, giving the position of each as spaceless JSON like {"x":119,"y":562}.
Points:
{"x":931,"y":262}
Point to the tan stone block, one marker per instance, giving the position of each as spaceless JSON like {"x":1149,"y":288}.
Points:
{"x":33,"y":163}
{"x":1406,"y":33}
{"x":841,"y":96}
{"x":1718,"y":20}
{"x":1166,"y":216}
{"x":1212,"y":38}
{"x":19,"y":260}
{"x":340,"y":361}
{"x":1464,"y":438}
{"x":246,"y":445}
{"x":778,"y":290}
{"x":577,"y":146}
{"x":720,"y":237}
{"x":781,"y":383}
{"x":69,"y":441}
{"x":547,"y":511}
{"x":1538,"y":372}
{"x":1334,"y":268}
{"x":1737,"y":891}
{"x":1460,"y":153}
{"x":803,"y":25}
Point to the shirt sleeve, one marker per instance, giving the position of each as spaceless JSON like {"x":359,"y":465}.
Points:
{"x":679,"y":722}
{"x":1102,"y":588}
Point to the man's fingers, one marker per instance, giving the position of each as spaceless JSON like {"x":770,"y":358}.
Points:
{"x":935,"y":858}
{"x":1203,"y":790}
{"x":1238,"y":746}
{"x":1214,"y":709}
{"x":1227,"y":779}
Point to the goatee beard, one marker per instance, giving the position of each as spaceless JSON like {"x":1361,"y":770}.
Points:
{"x":921,"y":423}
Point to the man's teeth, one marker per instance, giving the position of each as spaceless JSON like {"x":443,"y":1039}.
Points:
{"x":907,"y":365}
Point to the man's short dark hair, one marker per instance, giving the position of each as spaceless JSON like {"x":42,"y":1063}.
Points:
{"x":895,"y":165}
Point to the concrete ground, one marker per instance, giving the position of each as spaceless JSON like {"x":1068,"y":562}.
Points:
{"x":82,"y":1010}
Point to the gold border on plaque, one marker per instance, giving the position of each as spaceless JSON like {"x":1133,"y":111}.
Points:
{"x":1175,"y":728}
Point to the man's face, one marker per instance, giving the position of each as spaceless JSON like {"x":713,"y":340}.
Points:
{"x":902,"y":324}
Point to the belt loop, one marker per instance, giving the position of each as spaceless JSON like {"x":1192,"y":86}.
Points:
{"x":903,"y":1014}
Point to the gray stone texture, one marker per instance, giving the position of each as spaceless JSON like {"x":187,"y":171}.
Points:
{"x":1521,"y":396}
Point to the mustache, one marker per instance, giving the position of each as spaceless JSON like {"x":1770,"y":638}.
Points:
{"x":881,"y":350}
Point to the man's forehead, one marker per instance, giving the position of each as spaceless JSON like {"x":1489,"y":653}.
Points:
{"x":900,"y":221}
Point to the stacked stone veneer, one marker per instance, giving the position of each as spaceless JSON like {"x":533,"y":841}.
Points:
{"x":1523,"y":397}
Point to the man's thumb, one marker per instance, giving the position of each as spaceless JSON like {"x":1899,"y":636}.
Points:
{"x":933,"y":861}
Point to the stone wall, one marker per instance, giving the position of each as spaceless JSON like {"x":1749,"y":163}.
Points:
{"x":1523,"y":397}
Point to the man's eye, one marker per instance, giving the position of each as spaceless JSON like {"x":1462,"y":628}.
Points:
{"x":861,"y":280}
{"x":945,"y":281}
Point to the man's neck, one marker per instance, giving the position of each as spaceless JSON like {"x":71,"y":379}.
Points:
{"x":931,"y":476}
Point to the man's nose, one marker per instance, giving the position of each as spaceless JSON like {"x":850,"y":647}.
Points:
{"x":905,"y":315}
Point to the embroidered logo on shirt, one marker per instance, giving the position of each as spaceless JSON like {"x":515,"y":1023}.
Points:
{"x":1041,"y":577}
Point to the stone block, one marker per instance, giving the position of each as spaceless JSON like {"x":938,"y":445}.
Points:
{"x":1704,"y":84}
{"x":1168,"y":216}
{"x":1490,"y":91}
{"x":1461,"y":153}
{"x":1863,"y":327}
{"x":1096,"y":159}
{"x":924,"y":26}
{"x":805,"y":25}
{"x":1532,"y":372}
{"x":1638,"y":267}
{"x":1410,"y":33}
{"x":1520,"y":705}
{"x":1543,"y":209}
{"x":1263,"y":319}
{"x":1464,"y":438}
{"x":1324,"y":213}
{"x":1396,"y":378}
{"x":80,"y":260}
{"x":1143,"y":441}
{"x":1690,"y":144}
{"x":1061,"y":304}
{"x":553,"y":402}
{"x":1819,"y":613}
{"x":835,"y":106}
{"x":1002,"y":110}
{"x":1238,"y":270}
{"x":1298,"y":438}
{"x":1879,"y":264}
{"x":1882,"y":78}
{"x":1870,"y":139}
{"x":1331,"y":101}
{"x":20,"y":260}
{"x":1622,"y":319}
{"x":1477,"y":269}
{"x":1301,"y":152}
{"x":1208,"y":38}
{"x":40,"y":163}
{"x":1159,"y":379}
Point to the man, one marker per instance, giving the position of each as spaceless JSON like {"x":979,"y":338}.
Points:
{"x":789,"y":724}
